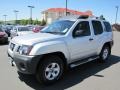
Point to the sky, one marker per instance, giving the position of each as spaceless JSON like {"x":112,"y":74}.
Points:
{"x":98,"y":7}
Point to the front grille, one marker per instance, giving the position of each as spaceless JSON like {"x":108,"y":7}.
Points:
{"x":18,"y":48}
{"x":12,"y":46}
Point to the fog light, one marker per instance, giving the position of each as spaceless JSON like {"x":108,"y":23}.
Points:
{"x":22,"y":66}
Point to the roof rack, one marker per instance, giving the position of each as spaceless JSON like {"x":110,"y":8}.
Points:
{"x":75,"y":17}
{"x":83,"y":17}
{"x":86,"y":17}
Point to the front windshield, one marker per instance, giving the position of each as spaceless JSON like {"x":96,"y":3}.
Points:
{"x":23,"y":29}
{"x":58,"y":27}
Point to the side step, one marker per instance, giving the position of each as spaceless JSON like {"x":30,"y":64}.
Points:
{"x":83,"y":61}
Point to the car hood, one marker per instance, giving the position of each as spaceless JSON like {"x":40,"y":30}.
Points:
{"x":24,"y":33}
{"x":35,"y":38}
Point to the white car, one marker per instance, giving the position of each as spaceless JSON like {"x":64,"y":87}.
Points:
{"x":20,"y":30}
{"x":68,"y":42}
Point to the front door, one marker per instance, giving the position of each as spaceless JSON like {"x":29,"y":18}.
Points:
{"x":81,"y":44}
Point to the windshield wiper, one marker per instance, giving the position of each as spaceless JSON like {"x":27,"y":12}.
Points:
{"x":54,"y":32}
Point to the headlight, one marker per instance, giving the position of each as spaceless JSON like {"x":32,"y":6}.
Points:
{"x":24,"y":50}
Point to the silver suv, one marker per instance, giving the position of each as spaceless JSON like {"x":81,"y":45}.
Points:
{"x":68,"y":42}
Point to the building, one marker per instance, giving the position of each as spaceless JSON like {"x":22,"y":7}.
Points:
{"x":52,"y":14}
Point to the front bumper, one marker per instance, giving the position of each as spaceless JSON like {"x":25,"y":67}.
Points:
{"x":25,"y":64}
{"x":112,"y":43}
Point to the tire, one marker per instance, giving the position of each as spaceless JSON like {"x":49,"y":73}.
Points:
{"x":6,"y":41}
{"x":50,"y":70}
{"x":105,"y":53}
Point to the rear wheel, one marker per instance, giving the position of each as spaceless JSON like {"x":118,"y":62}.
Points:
{"x":50,"y":70}
{"x":105,"y":53}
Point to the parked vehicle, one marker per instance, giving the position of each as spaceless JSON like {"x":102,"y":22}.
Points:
{"x":7,"y":29}
{"x":20,"y":30}
{"x":30,"y":27}
{"x":68,"y":42}
{"x":3,"y":36}
{"x":37,"y":29}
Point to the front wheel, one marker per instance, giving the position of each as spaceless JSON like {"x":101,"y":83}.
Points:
{"x":105,"y":53}
{"x":50,"y":70}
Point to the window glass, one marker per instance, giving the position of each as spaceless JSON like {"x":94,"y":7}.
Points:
{"x":58,"y":27}
{"x":23,"y":29}
{"x":15,"y":29}
{"x":107,"y":27}
{"x":82,"y":28}
{"x":97,"y":26}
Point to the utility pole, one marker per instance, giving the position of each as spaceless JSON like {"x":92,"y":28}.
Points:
{"x":5,"y":19}
{"x":31,"y":7}
{"x":117,"y":7}
{"x":16,"y":14}
{"x":66,"y":6}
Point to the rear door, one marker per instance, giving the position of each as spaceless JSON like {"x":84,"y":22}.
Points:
{"x":99,"y":35}
{"x":108,"y":31}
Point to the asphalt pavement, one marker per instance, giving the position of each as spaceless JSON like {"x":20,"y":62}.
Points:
{"x":90,"y":76}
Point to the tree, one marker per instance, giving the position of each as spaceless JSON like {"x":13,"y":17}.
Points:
{"x":1,"y":22}
{"x":24,"y":22}
{"x":43,"y":22}
{"x":36,"y":22}
{"x":39,"y":22}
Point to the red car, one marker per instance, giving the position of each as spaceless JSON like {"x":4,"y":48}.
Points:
{"x":3,"y":36}
{"x":37,"y":29}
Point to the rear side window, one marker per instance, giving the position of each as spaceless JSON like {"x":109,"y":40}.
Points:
{"x":97,"y":26}
{"x":107,"y":27}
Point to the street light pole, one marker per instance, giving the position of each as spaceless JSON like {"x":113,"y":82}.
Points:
{"x":117,"y":7}
{"x":5,"y":19}
{"x":31,"y":7}
{"x":66,"y":7}
{"x":16,"y":13}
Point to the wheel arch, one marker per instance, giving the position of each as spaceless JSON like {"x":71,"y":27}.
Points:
{"x":59,"y":54}
{"x":108,"y":44}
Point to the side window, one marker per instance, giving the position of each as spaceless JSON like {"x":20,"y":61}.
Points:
{"x":15,"y":29}
{"x":97,"y":26}
{"x":82,"y":29}
{"x":107,"y":27}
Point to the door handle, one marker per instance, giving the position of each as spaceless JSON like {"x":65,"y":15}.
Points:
{"x":91,"y":39}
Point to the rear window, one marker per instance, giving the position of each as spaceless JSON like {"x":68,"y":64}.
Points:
{"x":97,"y":26}
{"x":107,"y":27}
{"x":23,"y":29}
